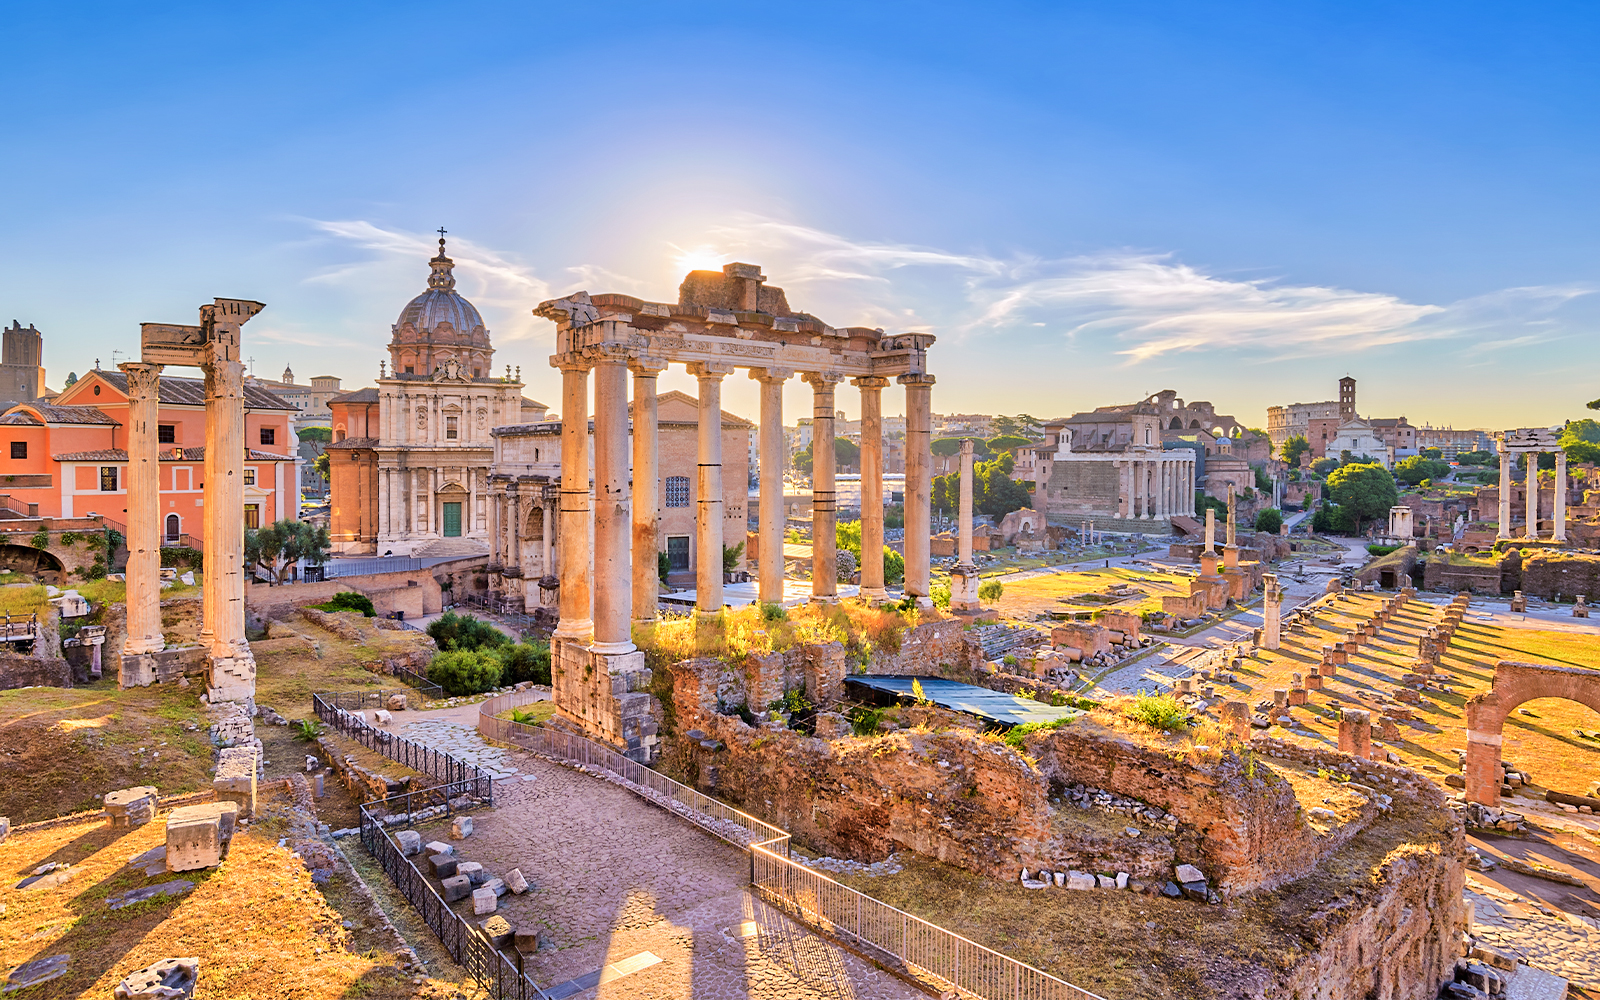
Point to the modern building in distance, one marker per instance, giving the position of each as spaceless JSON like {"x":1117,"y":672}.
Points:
{"x":21,"y":364}
{"x":1451,"y":442}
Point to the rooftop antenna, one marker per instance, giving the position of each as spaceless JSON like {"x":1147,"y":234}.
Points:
{"x":114,"y":356}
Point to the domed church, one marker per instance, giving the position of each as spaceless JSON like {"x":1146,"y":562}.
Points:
{"x":409,"y":462}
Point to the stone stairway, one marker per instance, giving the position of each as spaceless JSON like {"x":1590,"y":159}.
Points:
{"x":998,"y":640}
{"x":444,"y":548}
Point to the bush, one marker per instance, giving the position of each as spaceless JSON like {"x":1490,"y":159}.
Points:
{"x":1159,"y":711}
{"x":1382,"y":550}
{"x":349,"y":600}
{"x":940,"y":595}
{"x":306,"y":730}
{"x":1270,"y":520}
{"x":465,"y":671}
{"x":464,"y":632}
{"x":864,"y":720}
{"x":990,"y":590}
{"x":524,"y":661}
{"x":773,"y":613}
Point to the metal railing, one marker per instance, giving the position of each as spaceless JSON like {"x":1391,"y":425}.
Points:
{"x":18,"y":507}
{"x":524,"y":623}
{"x":339,"y":711}
{"x":927,"y":953}
{"x":423,"y":686}
{"x":335,"y":568}
{"x":501,"y":976}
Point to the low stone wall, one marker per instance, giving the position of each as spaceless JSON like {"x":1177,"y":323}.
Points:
{"x":1546,"y":574}
{"x":18,"y":670}
{"x":414,"y":592}
{"x":1440,"y":576}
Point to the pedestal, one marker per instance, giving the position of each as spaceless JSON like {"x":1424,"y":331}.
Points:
{"x":964,"y":590}
{"x":607,"y":694}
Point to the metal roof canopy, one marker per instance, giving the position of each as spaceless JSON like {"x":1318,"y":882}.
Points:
{"x":996,"y":706}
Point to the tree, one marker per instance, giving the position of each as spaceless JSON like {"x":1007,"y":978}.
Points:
{"x":1005,"y":442}
{"x":1323,"y":466}
{"x":1581,"y":441}
{"x":848,"y":536}
{"x":1293,"y":448}
{"x":946,"y":447}
{"x":730,"y":557}
{"x":1412,"y":471}
{"x":283,"y":544}
{"x":1433,"y":453}
{"x":72,"y":378}
{"x":845,"y":452}
{"x":322,"y":434}
{"x":324,"y":466}
{"x":1270,"y":520}
{"x":1366,"y":491}
{"x":1488,"y":458}
{"x":1263,"y":481}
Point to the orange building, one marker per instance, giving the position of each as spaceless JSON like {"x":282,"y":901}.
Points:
{"x":71,"y":458}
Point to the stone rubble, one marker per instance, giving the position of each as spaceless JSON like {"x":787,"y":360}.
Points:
{"x":168,"y":979}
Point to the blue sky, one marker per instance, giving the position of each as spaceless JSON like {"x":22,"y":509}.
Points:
{"x":1086,"y":202}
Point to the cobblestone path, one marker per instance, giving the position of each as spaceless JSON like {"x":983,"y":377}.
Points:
{"x":615,"y":877}
{"x":1567,"y":945}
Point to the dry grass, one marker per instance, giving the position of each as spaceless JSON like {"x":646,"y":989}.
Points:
{"x":1036,"y":595}
{"x":23,"y":600}
{"x":736,"y":634}
{"x":287,"y":678}
{"x":261,"y":929}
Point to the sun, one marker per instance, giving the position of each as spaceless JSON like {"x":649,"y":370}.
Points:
{"x":701,"y":258}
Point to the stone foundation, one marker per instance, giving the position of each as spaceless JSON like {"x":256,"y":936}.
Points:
{"x":607,"y":694}
{"x":164,"y":667}
{"x":231,"y":678}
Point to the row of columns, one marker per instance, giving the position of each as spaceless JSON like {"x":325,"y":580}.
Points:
{"x":409,"y":498}
{"x":509,"y":512}
{"x":1157,"y":487}
{"x":1558,"y":515}
{"x":601,"y":606}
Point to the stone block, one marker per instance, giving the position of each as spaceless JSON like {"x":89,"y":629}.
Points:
{"x":497,"y":931}
{"x":396,"y":703}
{"x":461,"y":827}
{"x":5,"y":828}
{"x":516,"y":882}
{"x":169,"y":979}
{"x":527,"y":939}
{"x":438,"y":847}
{"x":1313,"y":682}
{"x":130,"y":807}
{"x":442,"y":865}
{"x":410,"y":842}
{"x":456,"y":887}
{"x":236,"y":778}
{"x":1188,"y":873}
{"x":484,"y":901}
{"x":194,"y":838}
{"x":474,"y":871}
{"x":1080,"y":880}
{"x":1297,"y":696}
{"x":382,"y":717}
{"x":1106,"y":881}
{"x":496,"y":884}
{"x":39,"y":970}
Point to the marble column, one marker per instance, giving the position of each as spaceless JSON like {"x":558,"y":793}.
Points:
{"x":1560,"y":514}
{"x":872,"y":582}
{"x":551,"y":532}
{"x":144,"y":510}
{"x":708,"y":498}
{"x":497,"y":558}
{"x":513,"y":557}
{"x":824,"y":498}
{"x":919,"y":485}
{"x":964,"y":578}
{"x":575,"y":622}
{"x":613,"y":569}
{"x":1125,"y":487}
{"x":1271,"y":612}
{"x":646,"y":488}
{"x":1505,"y":494}
{"x":771,"y":511}
{"x":1533,"y":494}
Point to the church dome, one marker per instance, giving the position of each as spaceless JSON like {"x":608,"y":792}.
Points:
{"x":440,"y":326}
{"x":441,"y":303}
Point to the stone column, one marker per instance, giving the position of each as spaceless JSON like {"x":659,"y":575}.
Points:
{"x":1232,"y":522}
{"x":824,"y":499}
{"x":1135,"y":488}
{"x":144,"y":511}
{"x":919,"y":484}
{"x":513,"y":557}
{"x":1164,"y":508}
{"x":1505,"y":493}
{"x":1124,"y":488}
{"x":497,"y":557}
{"x":708,"y":499}
{"x":1560,"y":514}
{"x":575,"y":622}
{"x":964,"y":578}
{"x":551,"y":532}
{"x":1533,"y":494}
{"x":872,"y":582}
{"x":223,"y":597}
{"x":613,"y":570}
{"x":1272,"y":612}
{"x":771,"y":512}
{"x":646,"y":488}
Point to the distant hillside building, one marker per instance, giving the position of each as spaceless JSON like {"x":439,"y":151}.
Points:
{"x":21,"y":364}
{"x":310,"y":400}
{"x":1109,"y":467}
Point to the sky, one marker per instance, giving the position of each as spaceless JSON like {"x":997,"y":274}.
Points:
{"x":1085,"y":202}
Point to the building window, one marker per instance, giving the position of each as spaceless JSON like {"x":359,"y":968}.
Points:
{"x":249,"y":477}
{"x":677,"y":553}
{"x":108,"y":479}
{"x":410,"y":370}
{"x":269,"y":435}
{"x":678,"y":491}
{"x":252,"y":515}
{"x":166,"y":434}
{"x":450,"y":428}
{"x":19,"y":449}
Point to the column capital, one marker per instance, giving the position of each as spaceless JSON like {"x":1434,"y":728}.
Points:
{"x":609,"y":354}
{"x":711,"y":370}
{"x":645,"y":366}
{"x":769,"y":375}
{"x":916,"y":378}
{"x":572,"y":361}
{"x":870,"y":382}
{"x":143,"y":379}
{"x":823,"y":380}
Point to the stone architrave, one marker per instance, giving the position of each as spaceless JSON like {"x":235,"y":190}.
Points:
{"x":1272,"y":611}
{"x":964,"y":578}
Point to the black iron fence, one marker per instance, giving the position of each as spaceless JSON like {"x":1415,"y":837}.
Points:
{"x":339,"y":710}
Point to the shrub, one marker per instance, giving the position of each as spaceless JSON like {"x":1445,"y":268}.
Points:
{"x":940,"y":596}
{"x":864,"y":721}
{"x":524,"y":661}
{"x":990,"y":590}
{"x":1382,"y":550}
{"x":465,"y":671}
{"x":1159,"y":711}
{"x":464,"y":632}
{"x":306,"y":730}
{"x":349,"y":600}
{"x":1270,"y":520}
{"x":773,"y":613}
{"x":1015,"y":735}
{"x":40,"y":540}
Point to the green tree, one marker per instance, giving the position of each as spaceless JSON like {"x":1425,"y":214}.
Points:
{"x":730,"y":557}
{"x":323,"y":434}
{"x":1293,"y":448}
{"x":323,"y":464}
{"x":1412,"y":471}
{"x":1323,"y":466}
{"x":946,"y":447}
{"x":1270,"y":520}
{"x":1580,"y":439}
{"x":1263,"y":481}
{"x":451,"y":631}
{"x":1433,"y":453}
{"x":991,"y":590}
{"x":845,"y":452}
{"x":848,"y":536}
{"x":1366,"y":491}
{"x":72,"y":378}
{"x":282,"y":544}
{"x":1488,"y":458}
{"x":1005,"y":442}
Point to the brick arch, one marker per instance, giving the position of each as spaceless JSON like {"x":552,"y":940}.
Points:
{"x":1514,"y":684}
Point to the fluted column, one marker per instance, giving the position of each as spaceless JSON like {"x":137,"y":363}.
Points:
{"x":223,"y":603}
{"x":1560,"y":514}
{"x":144,"y":510}
{"x":1125,"y":487}
{"x":613,"y":564}
{"x":770,"y":442}
{"x":497,"y":559}
{"x":708,"y":499}
{"x":824,"y":498}
{"x":1533,"y":494}
{"x":872,"y":582}
{"x":576,"y":570}
{"x":513,"y":557}
{"x":646,"y":487}
{"x":1505,"y":493}
{"x":919,"y":484}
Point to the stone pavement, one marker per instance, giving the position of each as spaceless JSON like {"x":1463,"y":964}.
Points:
{"x":1565,"y":944}
{"x":459,"y":742}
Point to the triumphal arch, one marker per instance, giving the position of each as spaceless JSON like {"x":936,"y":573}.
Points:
{"x":213,"y":347}
{"x":722,"y":322}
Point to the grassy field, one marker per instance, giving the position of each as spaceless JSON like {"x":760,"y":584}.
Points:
{"x":1037,"y":594}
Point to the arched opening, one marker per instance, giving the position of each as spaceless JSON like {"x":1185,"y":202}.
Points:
{"x":1194,"y":425}
{"x":174,"y":529}
{"x":1176,"y":425}
{"x":1562,"y":694}
{"x":29,"y":561}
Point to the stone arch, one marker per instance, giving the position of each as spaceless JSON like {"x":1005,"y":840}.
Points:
{"x":34,"y":562}
{"x":1176,"y":425}
{"x":1194,"y":425}
{"x":535,"y":526}
{"x":1514,"y":684}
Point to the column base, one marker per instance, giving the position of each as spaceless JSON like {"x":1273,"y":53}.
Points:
{"x":608,"y":694}
{"x":824,"y":599}
{"x":964,"y":590}
{"x":874,"y":595}
{"x":613,"y":648}
{"x":574,"y":629}
{"x":231,"y":678}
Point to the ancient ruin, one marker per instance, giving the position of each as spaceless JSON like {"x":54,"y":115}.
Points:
{"x":1530,"y":442}
{"x":1515,"y":683}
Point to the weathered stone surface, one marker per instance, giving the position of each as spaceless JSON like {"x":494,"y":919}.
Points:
{"x":497,"y":885}
{"x":40,"y":970}
{"x":456,"y":887}
{"x":130,"y":807}
{"x":472,"y":870}
{"x":438,"y":847}
{"x":497,"y":930}
{"x":484,"y":901}
{"x":1080,"y":880}
{"x":1188,"y":873}
{"x":5,"y":828}
{"x":516,"y":882}
{"x":461,"y":827}
{"x":410,"y":842}
{"x":194,"y":838}
{"x":174,"y":888}
{"x":382,"y":717}
{"x":168,"y":979}
{"x":442,"y":865}
{"x":396,"y":703}
{"x":236,"y":778}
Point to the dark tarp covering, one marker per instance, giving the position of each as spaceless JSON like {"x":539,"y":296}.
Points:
{"x":1006,"y":709}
